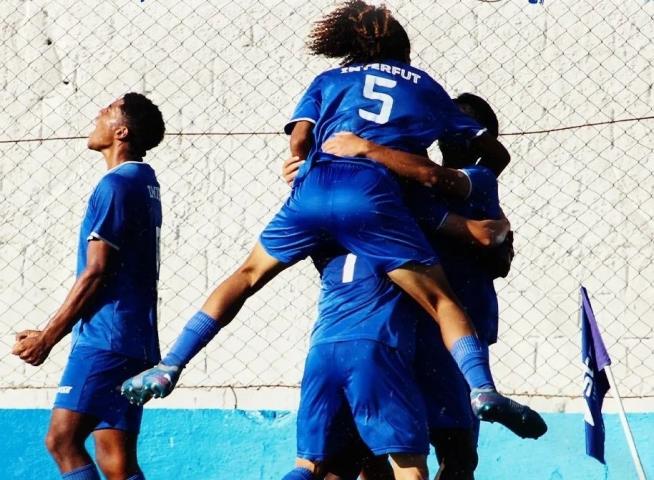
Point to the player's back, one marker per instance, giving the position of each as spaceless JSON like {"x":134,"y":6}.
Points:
{"x":124,"y":211}
{"x":390,"y":103}
{"x":359,"y":302}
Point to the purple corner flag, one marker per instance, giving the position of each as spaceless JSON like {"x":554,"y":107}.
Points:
{"x":595,"y":358}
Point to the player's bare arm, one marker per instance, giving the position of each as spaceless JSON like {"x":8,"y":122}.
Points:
{"x":34,"y":346}
{"x":290,"y":169}
{"x":301,"y":139}
{"x":480,"y":233}
{"x":414,"y":167}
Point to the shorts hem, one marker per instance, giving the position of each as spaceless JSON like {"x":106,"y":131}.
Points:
{"x":102,"y":423}
{"x":428,"y":262}
{"x":400,"y":449}
{"x":312,"y":457}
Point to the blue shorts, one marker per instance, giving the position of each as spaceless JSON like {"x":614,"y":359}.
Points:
{"x":445,"y":391}
{"x":91,"y":384}
{"x":357,"y":204}
{"x":359,"y":388}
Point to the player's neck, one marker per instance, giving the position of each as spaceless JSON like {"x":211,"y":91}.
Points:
{"x":117,"y":154}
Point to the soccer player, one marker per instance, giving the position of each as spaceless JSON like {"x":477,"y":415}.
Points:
{"x":359,"y":376}
{"x":354,"y":202}
{"x":453,"y":428}
{"x":112,"y":306}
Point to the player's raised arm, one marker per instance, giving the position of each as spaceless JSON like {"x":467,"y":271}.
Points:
{"x":481,"y":233}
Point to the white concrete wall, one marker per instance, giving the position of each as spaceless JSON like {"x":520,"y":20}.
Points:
{"x":580,"y":200}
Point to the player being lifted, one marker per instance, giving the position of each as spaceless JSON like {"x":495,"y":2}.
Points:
{"x":356,"y":202}
{"x":112,"y":307}
{"x":472,"y":192}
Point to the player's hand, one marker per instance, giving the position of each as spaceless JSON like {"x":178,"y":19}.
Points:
{"x":32,"y":347}
{"x":491,"y":232}
{"x":346,"y":144}
{"x":27,"y":333}
{"x":156,"y":382}
{"x":290,"y":169}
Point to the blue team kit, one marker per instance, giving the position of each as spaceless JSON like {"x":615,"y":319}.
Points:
{"x":354,"y":201}
{"x":118,"y":337}
{"x":361,"y":355}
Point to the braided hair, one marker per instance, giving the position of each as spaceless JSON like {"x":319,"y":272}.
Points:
{"x":357,"y":32}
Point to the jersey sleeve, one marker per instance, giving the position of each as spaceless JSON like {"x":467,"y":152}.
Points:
{"x":483,"y":195}
{"x":308,"y":107}
{"x":428,"y":207}
{"x":109,"y":207}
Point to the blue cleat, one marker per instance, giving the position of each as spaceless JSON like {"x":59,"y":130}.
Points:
{"x":490,"y":406}
{"x":156,"y":382}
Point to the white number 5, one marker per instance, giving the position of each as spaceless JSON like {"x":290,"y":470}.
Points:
{"x":387,"y":101}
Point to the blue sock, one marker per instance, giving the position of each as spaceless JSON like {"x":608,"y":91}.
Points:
{"x":137,"y":476}
{"x":299,"y":474}
{"x":199,"y":331}
{"x":87,"y":472}
{"x":472,"y":359}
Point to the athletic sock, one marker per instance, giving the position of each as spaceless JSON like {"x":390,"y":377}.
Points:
{"x":87,"y":472}
{"x":299,"y":474}
{"x":137,"y":476}
{"x":472,"y":359}
{"x":199,"y":331}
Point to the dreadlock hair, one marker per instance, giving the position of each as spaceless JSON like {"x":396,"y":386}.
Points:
{"x":480,"y":110}
{"x":144,"y":123}
{"x":359,"y":33}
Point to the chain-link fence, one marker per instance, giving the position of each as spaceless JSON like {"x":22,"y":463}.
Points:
{"x":572,"y":85}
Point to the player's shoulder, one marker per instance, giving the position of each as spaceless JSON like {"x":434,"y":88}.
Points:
{"x":124,"y":178}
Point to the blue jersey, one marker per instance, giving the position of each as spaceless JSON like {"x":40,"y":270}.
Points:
{"x":390,"y":103}
{"x":359,"y":302}
{"x":473,"y":285}
{"x":124,"y":211}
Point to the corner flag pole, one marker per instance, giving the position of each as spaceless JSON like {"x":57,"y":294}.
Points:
{"x":625,"y":426}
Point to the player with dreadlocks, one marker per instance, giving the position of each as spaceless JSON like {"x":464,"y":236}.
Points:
{"x":357,"y":204}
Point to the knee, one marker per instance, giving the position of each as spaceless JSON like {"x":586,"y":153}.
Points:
{"x":61,"y":443}
{"x":315,"y":467}
{"x":114,"y":465}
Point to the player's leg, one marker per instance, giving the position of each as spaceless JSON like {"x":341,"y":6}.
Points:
{"x":292,"y":235}
{"x":386,"y":405}
{"x":376,"y":468}
{"x":456,"y":451}
{"x":447,"y":398}
{"x":218,"y":310}
{"x":356,"y":461}
{"x":373,"y":222}
{"x":409,"y":466}
{"x":65,"y":439}
{"x":428,"y":286}
{"x":115,"y":454}
{"x":74,"y":416}
{"x":324,"y":425}
{"x":116,"y":434}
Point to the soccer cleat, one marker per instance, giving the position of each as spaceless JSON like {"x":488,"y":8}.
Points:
{"x":156,"y":382}
{"x":490,"y":406}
